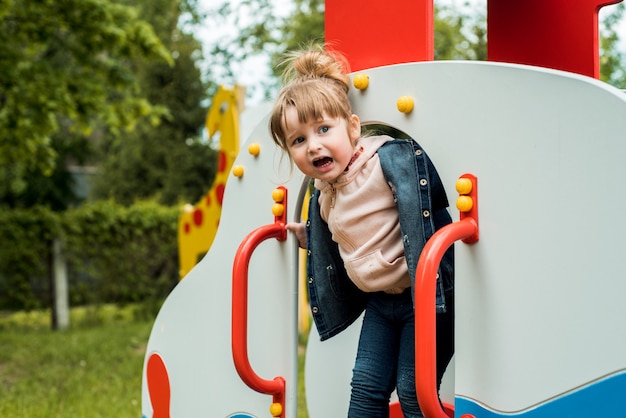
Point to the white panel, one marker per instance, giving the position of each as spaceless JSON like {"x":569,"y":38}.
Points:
{"x":539,"y":297}
{"x":193,"y":329}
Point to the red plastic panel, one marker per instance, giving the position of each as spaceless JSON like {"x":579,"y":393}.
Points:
{"x":158,"y":386}
{"x":559,"y":34}
{"x":373,"y":33}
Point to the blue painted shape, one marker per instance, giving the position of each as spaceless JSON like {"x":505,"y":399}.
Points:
{"x":605,"y":397}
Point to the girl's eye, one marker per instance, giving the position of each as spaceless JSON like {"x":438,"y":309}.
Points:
{"x":324,"y":129}
{"x":298,"y":140}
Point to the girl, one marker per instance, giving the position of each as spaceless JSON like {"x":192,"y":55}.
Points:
{"x":376,"y":202}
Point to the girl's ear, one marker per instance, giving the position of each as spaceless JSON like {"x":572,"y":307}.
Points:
{"x":354,"y":127}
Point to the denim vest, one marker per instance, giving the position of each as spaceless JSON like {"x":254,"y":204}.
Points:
{"x":421,"y":200}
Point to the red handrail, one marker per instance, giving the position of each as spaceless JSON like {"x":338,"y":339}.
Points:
{"x":275,"y":387}
{"x":425,"y":314}
{"x":425,"y":291}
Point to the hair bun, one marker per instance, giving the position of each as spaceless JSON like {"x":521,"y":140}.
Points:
{"x":316,"y":63}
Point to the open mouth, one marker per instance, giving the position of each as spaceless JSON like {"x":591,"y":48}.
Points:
{"x":321,"y":162}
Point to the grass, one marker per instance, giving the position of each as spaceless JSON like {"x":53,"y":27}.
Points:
{"x":92,"y":370}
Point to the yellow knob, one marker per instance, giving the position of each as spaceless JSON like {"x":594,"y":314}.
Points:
{"x":254,"y":149}
{"x":464,"y":203}
{"x":278,"y":195}
{"x":278,"y":209}
{"x":405,"y":104}
{"x":238,"y":170}
{"x":361,"y":81}
{"x":276,"y":409}
{"x":464,"y":185}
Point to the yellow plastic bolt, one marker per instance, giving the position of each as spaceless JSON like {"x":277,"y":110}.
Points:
{"x":278,"y":195}
{"x":464,"y":203}
{"x":254,"y":149}
{"x":464,"y":185}
{"x":238,"y":171}
{"x":361,"y":81}
{"x":405,"y":104}
{"x":276,"y":409}
{"x":278,"y":209}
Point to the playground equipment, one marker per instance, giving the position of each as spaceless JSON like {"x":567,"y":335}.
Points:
{"x":538,"y":153}
{"x":198,"y":224}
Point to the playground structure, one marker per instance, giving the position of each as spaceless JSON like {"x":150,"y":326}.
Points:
{"x":197,"y":225}
{"x":539,"y":278}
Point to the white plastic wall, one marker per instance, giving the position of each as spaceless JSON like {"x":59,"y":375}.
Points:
{"x":539,"y":296}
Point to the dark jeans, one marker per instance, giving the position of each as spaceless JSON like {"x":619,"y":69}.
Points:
{"x":386,"y":355}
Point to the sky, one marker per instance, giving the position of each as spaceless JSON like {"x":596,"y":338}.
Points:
{"x":254,"y":70}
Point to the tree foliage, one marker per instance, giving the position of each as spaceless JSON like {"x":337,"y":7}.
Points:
{"x":109,"y":84}
{"x":117,"y":84}
{"x":169,"y":162}
{"x":460,"y":34}
{"x":63,"y":67}
{"x":258,"y":32}
{"x":612,"y":60}
{"x":272,"y":31}
{"x":56,"y":188}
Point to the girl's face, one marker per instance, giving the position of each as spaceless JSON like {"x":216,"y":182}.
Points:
{"x":321,"y":149}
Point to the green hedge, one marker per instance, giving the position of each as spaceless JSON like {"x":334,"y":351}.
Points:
{"x":114,"y":253}
{"x":25,"y":237}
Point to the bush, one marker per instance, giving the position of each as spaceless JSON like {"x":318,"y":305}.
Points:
{"x":114,"y":253}
{"x":25,"y":257}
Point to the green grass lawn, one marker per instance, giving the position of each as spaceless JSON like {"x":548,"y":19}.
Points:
{"x":92,"y":370}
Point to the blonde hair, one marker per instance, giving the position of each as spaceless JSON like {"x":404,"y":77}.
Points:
{"x":317,"y":83}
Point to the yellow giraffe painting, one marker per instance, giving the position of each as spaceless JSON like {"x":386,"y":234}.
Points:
{"x":197,"y":225}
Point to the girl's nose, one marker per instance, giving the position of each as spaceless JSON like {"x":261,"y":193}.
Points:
{"x":314,"y":145}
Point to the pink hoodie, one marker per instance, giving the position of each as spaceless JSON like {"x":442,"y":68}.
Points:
{"x":363,"y":219}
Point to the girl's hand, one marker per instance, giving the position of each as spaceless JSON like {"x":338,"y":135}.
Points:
{"x":299,"y":229}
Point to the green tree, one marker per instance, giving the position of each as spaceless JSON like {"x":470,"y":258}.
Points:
{"x":459,"y":35}
{"x":55,"y":189}
{"x":259,"y":32}
{"x":63,"y":68}
{"x":169,"y":162}
{"x":612,"y":61}
{"x":270,"y":31}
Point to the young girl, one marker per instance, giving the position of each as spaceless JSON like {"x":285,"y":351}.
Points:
{"x":376,"y":202}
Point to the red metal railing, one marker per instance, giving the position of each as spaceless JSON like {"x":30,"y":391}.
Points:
{"x":275,"y":387}
{"x":425,"y":315}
